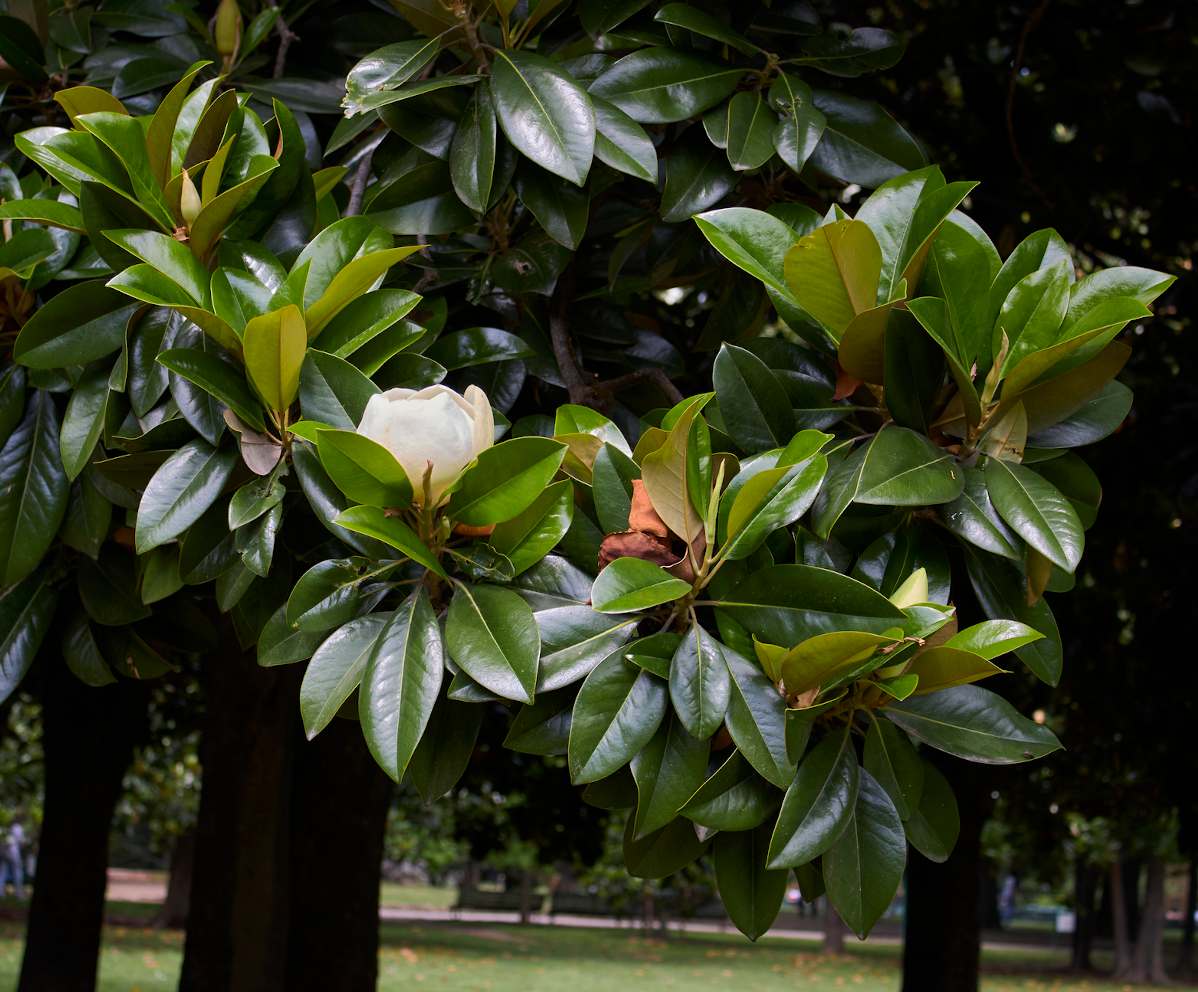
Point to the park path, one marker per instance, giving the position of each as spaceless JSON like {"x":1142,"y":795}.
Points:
{"x":125,"y":885}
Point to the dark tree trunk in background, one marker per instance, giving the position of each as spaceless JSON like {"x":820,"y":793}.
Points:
{"x":90,"y":735}
{"x":1119,"y":929}
{"x":340,"y":800}
{"x":178,"y":884}
{"x":1185,"y":963}
{"x":238,"y":917}
{"x":834,"y":929}
{"x":1148,"y":959}
{"x":1083,"y":932}
{"x":942,"y":933}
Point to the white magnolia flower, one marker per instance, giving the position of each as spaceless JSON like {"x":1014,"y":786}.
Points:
{"x":431,"y":425}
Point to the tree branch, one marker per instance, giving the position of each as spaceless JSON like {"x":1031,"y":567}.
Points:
{"x":286,"y":37}
{"x":357,"y":188}
{"x":583,"y":389}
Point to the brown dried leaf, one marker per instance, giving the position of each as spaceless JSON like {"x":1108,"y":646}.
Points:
{"x":636,"y":544}
{"x":642,"y":516}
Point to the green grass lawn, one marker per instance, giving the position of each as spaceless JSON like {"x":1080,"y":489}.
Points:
{"x":476,"y":957}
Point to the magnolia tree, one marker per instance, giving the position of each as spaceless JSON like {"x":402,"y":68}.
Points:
{"x":732,"y":608}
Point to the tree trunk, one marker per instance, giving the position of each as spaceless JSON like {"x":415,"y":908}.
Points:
{"x":1148,"y":959}
{"x":525,"y":896}
{"x":833,"y":929}
{"x":238,"y":917}
{"x":90,"y":734}
{"x":178,"y":885}
{"x":340,"y":800}
{"x":1083,"y":931}
{"x":942,"y":933}
{"x":1185,"y":963}
{"x":1119,"y":931}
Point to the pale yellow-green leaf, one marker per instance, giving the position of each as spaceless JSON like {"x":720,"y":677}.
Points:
{"x":834,"y":272}
{"x":664,"y":474}
{"x":823,"y":659}
{"x":274,"y":345}
{"x":914,"y":590}
{"x":942,"y":667}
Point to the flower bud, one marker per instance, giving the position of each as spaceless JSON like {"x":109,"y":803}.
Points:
{"x":433,"y":427}
{"x":189,"y":201}
{"x":227,"y":30}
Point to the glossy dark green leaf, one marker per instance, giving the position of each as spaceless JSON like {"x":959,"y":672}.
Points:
{"x":545,"y":114}
{"x":734,"y":797}
{"x":445,"y":749}
{"x":786,"y":604}
{"x":700,"y":686}
{"x":402,"y":683}
{"x":363,"y":469}
{"x":697,"y":177}
{"x":574,"y":639}
{"x":975,"y":724}
{"x":542,"y":727}
{"x":372,"y":521}
{"x":616,"y":713}
{"x":629,"y":584}
{"x":83,"y":421}
{"x":26,"y":611}
{"x":1002,"y":593}
{"x":336,"y":669}
{"x":662,"y":85}
{"x":865,"y":865}
{"x":756,"y":719}
{"x":751,"y":892}
{"x":756,"y":411}
{"x":526,"y":538}
{"x":622,"y":143}
{"x":82,"y":654}
{"x":769,"y":500}
{"x":559,"y":208}
{"x":914,"y":377}
{"x":818,"y":803}
{"x":662,"y":852}
{"x":387,"y":69}
{"x":472,"y":152}
{"x":903,"y":468}
{"x":492,"y":635}
{"x":33,"y":497}
{"x":751,"y":125}
{"x":280,"y":644}
{"x":1035,"y":509}
{"x":862,"y":143}
{"x":108,"y":589}
{"x":667,"y":771}
{"x":218,"y":378}
{"x":332,"y":391}
{"x":78,"y":325}
{"x":972,"y":517}
{"x":478,"y":346}
{"x":894,"y":763}
{"x":933,"y":827}
{"x":505,"y":480}
{"x":181,"y":490}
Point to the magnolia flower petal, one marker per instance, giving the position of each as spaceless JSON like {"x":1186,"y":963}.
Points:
{"x":434,"y":425}
{"x":484,"y":419}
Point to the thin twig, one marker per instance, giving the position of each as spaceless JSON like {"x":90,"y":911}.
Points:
{"x":1029,"y":26}
{"x":286,"y":37}
{"x":358,"y":187}
{"x":581,"y":388}
{"x":563,"y":347}
{"x":655,"y":376}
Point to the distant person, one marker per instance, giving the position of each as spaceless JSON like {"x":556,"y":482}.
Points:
{"x":12,"y":863}
{"x":1006,"y":900}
